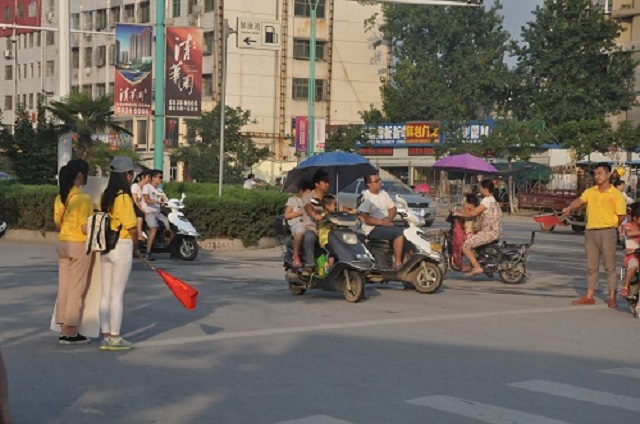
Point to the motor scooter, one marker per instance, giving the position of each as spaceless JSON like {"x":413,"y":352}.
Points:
{"x":508,"y":260}
{"x":634,"y":289}
{"x":3,"y":228}
{"x":182,"y":243}
{"x":351,"y":258}
{"x":424,"y":267}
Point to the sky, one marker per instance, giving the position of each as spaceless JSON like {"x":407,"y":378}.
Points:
{"x":516,"y":14}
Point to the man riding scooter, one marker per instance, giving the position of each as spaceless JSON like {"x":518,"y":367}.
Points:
{"x":376,"y":213}
{"x":153,"y":198}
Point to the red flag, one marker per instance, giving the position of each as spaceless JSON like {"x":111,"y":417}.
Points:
{"x":186,"y":294}
{"x":549,"y":220}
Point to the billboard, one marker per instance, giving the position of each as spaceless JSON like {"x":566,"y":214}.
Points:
{"x":183,"y":72}
{"x":133,"y":66}
{"x":302,"y":133}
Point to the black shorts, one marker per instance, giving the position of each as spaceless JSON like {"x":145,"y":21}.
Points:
{"x":381,"y":232}
{"x":139,"y":213}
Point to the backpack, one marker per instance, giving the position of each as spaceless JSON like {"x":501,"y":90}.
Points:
{"x":100,"y":236}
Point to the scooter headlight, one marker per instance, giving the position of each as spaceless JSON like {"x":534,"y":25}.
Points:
{"x":350,"y":238}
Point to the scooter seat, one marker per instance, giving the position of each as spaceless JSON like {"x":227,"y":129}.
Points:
{"x":378,"y":243}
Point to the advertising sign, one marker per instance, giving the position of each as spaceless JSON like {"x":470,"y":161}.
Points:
{"x":171,"y":132}
{"x":183,"y":73}
{"x":320,"y":135}
{"x":423,"y":132}
{"x":133,"y":66}
{"x":302,"y":127}
{"x":388,"y":134}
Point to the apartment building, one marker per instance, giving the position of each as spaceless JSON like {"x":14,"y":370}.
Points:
{"x":272,"y":84}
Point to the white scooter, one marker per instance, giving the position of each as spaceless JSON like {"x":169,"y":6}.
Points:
{"x":3,"y":228}
{"x":425,"y":266}
{"x":183,"y":243}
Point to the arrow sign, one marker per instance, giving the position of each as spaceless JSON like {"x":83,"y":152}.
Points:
{"x":248,"y":41}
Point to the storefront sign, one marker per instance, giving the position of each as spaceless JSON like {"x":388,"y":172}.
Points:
{"x":422,"y":151}
{"x":423,"y":132}
{"x":376,"y":151}
{"x":133,"y":66}
{"x":302,"y":130}
{"x":388,"y":134}
{"x":183,"y":73}
{"x":320,"y":135}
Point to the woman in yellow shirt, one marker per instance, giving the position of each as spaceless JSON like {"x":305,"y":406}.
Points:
{"x":116,"y":265}
{"x":70,"y":212}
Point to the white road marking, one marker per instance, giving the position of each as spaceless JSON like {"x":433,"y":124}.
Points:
{"x":316,"y":419}
{"x":361,"y":324}
{"x":480,"y":411}
{"x":580,"y":393}
{"x":625,"y":372}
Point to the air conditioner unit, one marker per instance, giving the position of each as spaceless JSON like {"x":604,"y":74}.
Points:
{"x":51,"y":17}
{"x":87,"y":70}
{"x":196,"y":9}
{"x":75,"y":38}
{"x":8,"y":54}
{"x":100,"y":61}
{"x":87,"y":37}
{"x":76,"y":73}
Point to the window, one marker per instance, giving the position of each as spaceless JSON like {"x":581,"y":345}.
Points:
{"x":8,"y":72}
{"x":302,"y":49}
{"x":87,"y":19}
{"x":21,"y":11}
{"x":75,"y":58}
{"x":301,"y":89}
{"x":145,"y":12}
{"x":115,"y":15}
{"x":141,"y":133}
{"x":111,"y":88}
{"x":129,"y":13}
{"x":75,"y":21}
{"x":50,"y":68}
{"x":208,"y":43}
{"x":30,"y":37}
{"x":207,"y":85}
{"x":8,"y":14}
{"x":33,"y":70}
{"x":112,"y":54}
{"x":101,"y":19}
{"x":30,"y":100}
{"x":88,"y":51}
{"x":36,"y":39}
{"x":175,"y":9}
{"x":302,"y":8}
{"x":33,"y":9}
{"x":101,"y":90}
{"x":8,"y":44}
{"x":209,"y":5}
{"x":50,"y":38}
{"x":86,"y":89}
{"x":8,"y":102}
{"x":101,"y":55}
{"x":25,"y":75}
{"x":39,"y":67}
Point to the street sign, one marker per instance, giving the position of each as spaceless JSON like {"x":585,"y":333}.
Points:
{"x":257,"y":34}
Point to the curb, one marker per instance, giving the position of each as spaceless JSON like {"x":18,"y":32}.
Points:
{"x":51,"y":237}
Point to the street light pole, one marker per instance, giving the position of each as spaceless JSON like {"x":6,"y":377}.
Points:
{"x":158,"y":129}
{"x":311,"y":95}
{"x":65,"y":147}
{"x":222,"y":104}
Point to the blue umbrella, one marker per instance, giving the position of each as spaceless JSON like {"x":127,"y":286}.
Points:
{"x":342,"y":168}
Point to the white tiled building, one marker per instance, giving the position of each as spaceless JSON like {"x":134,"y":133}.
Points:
{"x":272,"y":84}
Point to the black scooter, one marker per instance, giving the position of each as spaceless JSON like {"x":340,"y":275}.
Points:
{"x":508,"y":260}
{"x":352,"y":260}
{"x":634,"y":289}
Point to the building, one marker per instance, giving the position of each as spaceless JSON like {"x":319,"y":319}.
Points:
{"x":272,"y":84}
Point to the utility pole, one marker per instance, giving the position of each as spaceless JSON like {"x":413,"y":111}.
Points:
{"x":222,"y":103}
{"x":311,"y":95}
{"x":65,"y":143}
{"x":158,"y":129}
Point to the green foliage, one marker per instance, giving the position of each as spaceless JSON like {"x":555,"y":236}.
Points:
{"x":85,"y":116}
{"x":585,"y":137}
{"x":347,"y":138}
{"x":201,"y":157}
{"x":102,"y":155}
{"x":449,"y":62}
{"x":31,"y":151}
{"x":244,"y":214}
{"x":515,"y":140}
{"x":569,"y":67}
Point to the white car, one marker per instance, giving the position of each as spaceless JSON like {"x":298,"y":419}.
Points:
{"x":422,"y":205}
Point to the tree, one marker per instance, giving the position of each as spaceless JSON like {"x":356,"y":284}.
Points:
{"x":32,"y":151}
{"x":585,"y":137}
{"x":201,"y":156}
{"x":85,"y":116}
{"x":448,"y":62}
{"x":569,"y":66}
{"x":347,"y":138}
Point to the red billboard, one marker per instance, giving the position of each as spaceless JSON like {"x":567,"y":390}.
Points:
{"x":183,"y":73}
{"x":133,"y":66}
{"x":20,"y":12}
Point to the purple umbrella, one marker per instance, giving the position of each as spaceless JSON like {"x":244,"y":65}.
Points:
{"x":465,"y":163}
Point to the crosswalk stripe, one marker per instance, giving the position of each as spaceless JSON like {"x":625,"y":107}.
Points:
{"x":480,"y":411}
{"x":581,"y":394}
{"x":316,"y":419}
{"x":625,"y":372}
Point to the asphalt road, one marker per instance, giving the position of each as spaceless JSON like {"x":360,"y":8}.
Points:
{"x":476,"y":351}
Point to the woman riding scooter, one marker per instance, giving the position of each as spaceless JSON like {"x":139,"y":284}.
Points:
{"x":491,"y":229}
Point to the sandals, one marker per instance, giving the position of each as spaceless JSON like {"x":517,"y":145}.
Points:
{"x":624,"y":292}
{"x":296,"y":263}
{"x":474,"y":272}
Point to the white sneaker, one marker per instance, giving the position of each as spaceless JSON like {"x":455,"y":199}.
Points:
{"x":115,"y":343}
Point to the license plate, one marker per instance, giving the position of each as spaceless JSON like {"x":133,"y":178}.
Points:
{"x":436,"y":247}
{"x":418,"y":212}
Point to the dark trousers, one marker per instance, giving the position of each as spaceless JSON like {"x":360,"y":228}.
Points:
{"x":309,"y":244}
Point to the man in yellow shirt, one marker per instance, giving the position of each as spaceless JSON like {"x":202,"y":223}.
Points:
{"x":606,"y":209}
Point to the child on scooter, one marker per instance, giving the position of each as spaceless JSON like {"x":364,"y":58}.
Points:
{"x":471,"y":224}
{"x":632,"y":243}
{"x":324,"y":228}
{"x":294,"y":213}
{"x":463,"y":228}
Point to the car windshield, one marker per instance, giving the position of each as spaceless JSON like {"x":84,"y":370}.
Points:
{"x":396,"y":187}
